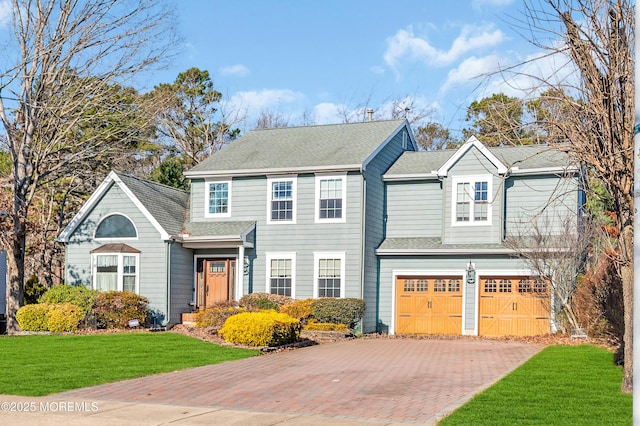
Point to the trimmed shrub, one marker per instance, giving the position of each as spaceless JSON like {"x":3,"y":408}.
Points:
{"x":33,"y":317}
{"x":64,"y":317}
{"x":264,"y":301}
{"x":338,"y":311}
{"x":215,"y":316}
{"x":314,"y":325}
{"x":114,"y":309}
{"x":300,"y":309}
{"x":78,"y":295}
{"x":265,"y":328}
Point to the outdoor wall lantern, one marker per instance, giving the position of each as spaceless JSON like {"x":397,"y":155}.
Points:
{"x":471,"y":273}
{"x":246,"y":265}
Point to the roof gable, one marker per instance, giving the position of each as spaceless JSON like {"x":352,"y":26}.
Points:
{"x":163,"y":206}
{"x":472,"y":142}
{"x":301,"y":149}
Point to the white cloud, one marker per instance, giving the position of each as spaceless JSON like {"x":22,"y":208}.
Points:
{"x":237,"y":70}
{"x":5,"y":12}
{"x":251,"y":104}
{"x":471,"y":70}
{"x":405,"y":45}
{"x":326,"y":113}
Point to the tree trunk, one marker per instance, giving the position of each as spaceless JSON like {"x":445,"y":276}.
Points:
{"x":626,"y":273}
{"x":15,"y":282}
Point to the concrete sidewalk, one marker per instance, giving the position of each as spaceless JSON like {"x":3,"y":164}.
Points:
{"x":43,"y":411}
{"x":356,"y":382}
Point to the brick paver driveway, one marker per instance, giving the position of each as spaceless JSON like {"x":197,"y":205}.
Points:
{"x":390,"y":380}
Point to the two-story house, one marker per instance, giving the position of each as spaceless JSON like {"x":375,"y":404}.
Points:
{"x":349,"y":210}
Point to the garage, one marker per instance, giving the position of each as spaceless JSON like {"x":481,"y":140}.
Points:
{"x":428,"y":305}
{"x":513,"y":306}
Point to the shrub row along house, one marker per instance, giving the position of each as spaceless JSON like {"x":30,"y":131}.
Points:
{"x":349,"y":210}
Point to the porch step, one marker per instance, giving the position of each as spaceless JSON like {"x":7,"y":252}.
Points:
{"x":188,"y":318}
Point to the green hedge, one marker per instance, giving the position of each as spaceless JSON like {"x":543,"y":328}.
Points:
{"x":50,"y":317}
{"x":78,"y":295}
{"x":33,"y":317}
{"x":265,"y":328}
{"x":64,"y":317}
{"x":338,"y":311}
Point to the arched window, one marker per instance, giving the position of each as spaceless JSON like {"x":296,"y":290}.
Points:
{"x":116,"y":226}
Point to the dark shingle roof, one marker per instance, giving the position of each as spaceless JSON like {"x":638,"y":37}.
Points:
{"x":166,"y":204}
{"x":523,"y":157}
{"x":218,"y":229}
{"x":309,"y":147}
{"x":433,"y":245}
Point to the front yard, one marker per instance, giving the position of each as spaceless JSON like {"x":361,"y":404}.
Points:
{"x":38,"y":365}
{"x":562,"y":385}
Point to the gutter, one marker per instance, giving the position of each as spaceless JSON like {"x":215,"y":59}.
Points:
{"x":267,"y":171}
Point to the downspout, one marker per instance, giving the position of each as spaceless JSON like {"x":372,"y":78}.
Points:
{"x":363,"y":212}
{"x":168,"y":311}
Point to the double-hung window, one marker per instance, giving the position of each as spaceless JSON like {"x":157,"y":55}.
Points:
{"x":331,"y":198}
{"x":471,"y":200}
{"x":282,"y":200}
{"x":329,"y":274}
{"x":115,"y":272}
{"x":217,"y":198}
{"x":281,"y":269}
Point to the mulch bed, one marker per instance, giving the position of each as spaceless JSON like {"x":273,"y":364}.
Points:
{"x":308,"y":338}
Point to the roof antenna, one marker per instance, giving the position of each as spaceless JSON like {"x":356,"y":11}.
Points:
{"x":369,"y":114}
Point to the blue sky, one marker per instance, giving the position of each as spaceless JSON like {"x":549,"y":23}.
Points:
{"x":323,"y":59}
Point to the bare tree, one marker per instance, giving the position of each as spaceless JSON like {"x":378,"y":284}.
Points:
{"x":588,"y":103}
{"x":67,"y":56}
{"x":556,"y":252}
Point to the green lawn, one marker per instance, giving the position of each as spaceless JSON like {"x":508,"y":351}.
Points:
{"x":44,"y":364}
{"x":562,"y":385}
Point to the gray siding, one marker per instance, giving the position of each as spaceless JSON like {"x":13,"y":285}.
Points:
{"x":374,"y":223}
{"x":546,"y":203}
{"x":152,"y":275}
{"x":182,"y":281}
{"x":414,"y":209}
{"x":425,"y":265}
{"x":304,"y":237}
{"x":472,"y":164}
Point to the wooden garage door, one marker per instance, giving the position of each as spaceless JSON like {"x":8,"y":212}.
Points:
{"x":513,"y":306}
{"x":428,"y":305}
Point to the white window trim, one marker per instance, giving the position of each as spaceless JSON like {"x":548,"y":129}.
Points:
{"x":120,"y":285}
{"x":281,"y":255}
{"x":343,"y":177}
{"x":294,"y":198}
{"x":471,"y":180}
{"x":114,"y":239}
{"x":207,"y":193}
{"x":316,"y":265}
